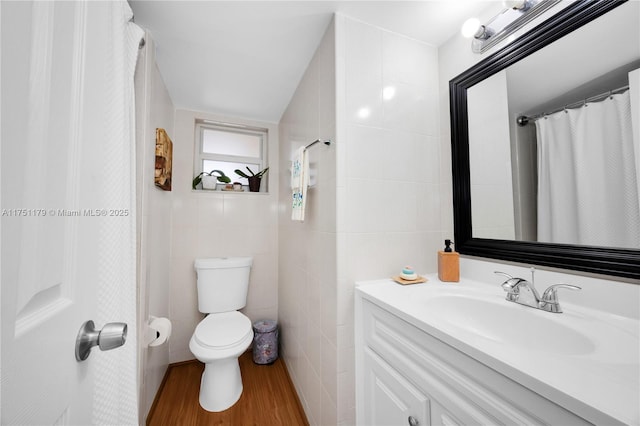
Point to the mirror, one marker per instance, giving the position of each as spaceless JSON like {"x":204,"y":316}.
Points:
{"x":481,"y":148}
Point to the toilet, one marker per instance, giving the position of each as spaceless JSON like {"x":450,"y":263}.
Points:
{"x":224,"y":334}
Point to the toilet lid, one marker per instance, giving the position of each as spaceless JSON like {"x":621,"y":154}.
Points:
{"x":223,"y":329}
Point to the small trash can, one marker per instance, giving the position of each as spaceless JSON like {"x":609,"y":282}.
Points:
{"x":265,"y":341}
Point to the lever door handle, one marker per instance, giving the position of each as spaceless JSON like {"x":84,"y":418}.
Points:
{"x":112,"y":335}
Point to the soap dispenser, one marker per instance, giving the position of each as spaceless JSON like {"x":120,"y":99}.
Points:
{"x":448,"y":264}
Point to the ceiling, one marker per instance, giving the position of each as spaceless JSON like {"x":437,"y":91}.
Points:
{"x":245,"y":58}
{"x":575,"y":75}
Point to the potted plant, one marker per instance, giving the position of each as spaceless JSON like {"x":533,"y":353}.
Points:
{"x":209,"y":180}
{"x":254,"y":179}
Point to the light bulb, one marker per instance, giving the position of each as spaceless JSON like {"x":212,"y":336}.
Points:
{"x":470,"y":27}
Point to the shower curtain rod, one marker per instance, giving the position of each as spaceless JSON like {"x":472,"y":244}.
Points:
{"x":327,"y":142}
{"x":523,"y":120}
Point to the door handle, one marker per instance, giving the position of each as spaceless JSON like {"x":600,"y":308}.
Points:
{"x":112,"y":335}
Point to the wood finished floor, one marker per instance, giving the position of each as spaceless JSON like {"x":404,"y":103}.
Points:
{"x":268,"y":398}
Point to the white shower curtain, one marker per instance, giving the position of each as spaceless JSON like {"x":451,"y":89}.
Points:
{"x":587,"y":177}
{"x":115,"y":399}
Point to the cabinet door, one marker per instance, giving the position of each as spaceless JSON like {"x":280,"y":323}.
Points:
{"x":391,"y":400}
{"x":442,"y":417}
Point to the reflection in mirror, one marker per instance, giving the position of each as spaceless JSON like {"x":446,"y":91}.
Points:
{"x":500,"y":169}
{"x":554,"y":150}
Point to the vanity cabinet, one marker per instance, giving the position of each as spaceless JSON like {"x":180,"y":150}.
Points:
{"x":407,"y":376}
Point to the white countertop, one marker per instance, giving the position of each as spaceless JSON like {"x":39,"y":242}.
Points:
{"x":600,"y":381}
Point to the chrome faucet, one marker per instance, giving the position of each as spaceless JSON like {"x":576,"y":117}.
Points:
{"x":524,"y":292}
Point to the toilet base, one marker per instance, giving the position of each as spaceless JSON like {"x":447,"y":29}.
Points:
{"x":221,"y":384}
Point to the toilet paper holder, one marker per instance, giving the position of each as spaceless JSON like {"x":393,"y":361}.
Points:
{"x":159,"y":331}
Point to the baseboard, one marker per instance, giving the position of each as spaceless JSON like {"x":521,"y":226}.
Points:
{"x":298,"y":403}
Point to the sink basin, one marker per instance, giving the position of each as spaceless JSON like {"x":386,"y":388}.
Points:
{"x":511,"y":324}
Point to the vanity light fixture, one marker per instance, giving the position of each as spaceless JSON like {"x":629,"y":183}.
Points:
{"x":470,"y":27}
{"x":514,"y":16}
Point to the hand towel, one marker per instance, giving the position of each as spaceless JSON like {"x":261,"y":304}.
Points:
{"x":299,"y":183}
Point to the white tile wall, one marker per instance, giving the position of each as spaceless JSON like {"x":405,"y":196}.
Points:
{"x":219,"y":224}
{"x":375,"y":205}
{"x":388,"y":197}
{"x":307,"y":251}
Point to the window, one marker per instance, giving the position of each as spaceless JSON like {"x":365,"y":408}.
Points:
{"x":228,"y":147}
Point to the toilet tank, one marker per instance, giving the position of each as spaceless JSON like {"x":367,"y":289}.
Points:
{"x":223,"y":283}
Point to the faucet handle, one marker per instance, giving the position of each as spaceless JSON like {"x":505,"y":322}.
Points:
{"x":510,"y":286}
{"x":504,"y":274}
{"x":549,"y":301}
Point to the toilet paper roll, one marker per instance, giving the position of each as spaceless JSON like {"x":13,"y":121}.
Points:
{"x":160,"y":330}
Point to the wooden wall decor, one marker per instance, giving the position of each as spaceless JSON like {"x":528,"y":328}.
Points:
{"x":164,"y":154}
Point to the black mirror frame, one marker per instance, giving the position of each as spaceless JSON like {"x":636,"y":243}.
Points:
{"x":598,"y":260}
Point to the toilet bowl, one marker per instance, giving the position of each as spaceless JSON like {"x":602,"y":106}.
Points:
{"x":217,"y":342}
{"x":225,"y":333}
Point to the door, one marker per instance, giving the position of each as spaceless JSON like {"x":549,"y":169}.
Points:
{"x":55,"y":78}
{"x":390,"y":399}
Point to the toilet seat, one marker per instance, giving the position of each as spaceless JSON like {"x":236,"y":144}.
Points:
{"x":223,"y":330}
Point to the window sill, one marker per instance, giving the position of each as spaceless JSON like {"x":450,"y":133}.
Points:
{"x":221,"y":192}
